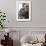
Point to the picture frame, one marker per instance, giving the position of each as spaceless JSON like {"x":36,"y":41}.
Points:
{"x":23,"y":10}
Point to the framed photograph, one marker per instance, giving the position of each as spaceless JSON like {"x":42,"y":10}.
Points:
{"x":23,"y":10}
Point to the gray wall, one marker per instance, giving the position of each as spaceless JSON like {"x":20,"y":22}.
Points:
{"x":38,"y":22}
{"x":38,"y":13}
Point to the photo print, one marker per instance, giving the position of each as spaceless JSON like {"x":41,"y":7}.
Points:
{"x":23,"y":10}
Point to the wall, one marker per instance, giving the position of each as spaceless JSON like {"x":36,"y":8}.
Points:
{"x":38,"y":13}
